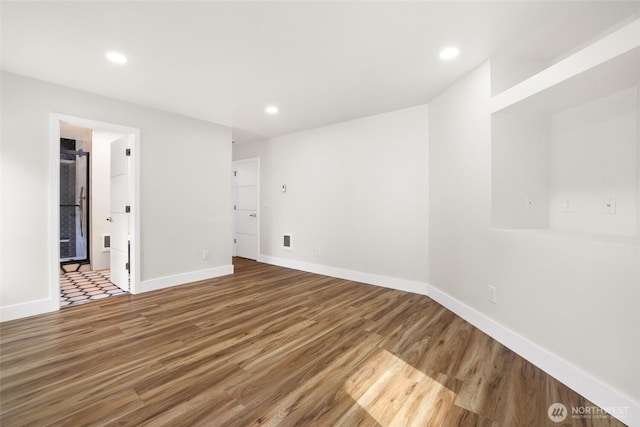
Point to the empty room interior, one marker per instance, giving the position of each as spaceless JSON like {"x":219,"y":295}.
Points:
{"x":311,"y":213}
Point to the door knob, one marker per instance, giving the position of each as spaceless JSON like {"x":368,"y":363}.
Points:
{"x":109,"y":219}
{"x":253,"y":215}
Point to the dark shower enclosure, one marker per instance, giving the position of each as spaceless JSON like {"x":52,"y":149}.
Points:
{"x":74,"y":203}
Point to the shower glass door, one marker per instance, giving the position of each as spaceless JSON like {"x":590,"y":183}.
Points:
{"x":74,"y":197}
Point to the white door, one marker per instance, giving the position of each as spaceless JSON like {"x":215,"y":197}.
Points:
{"x":246,"y":182}
{"x":119,"y":193}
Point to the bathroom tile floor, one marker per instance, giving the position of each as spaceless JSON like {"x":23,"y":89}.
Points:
{"x":85,"y":286}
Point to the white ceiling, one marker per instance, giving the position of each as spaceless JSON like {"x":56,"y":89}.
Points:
{"x":321,"y":62}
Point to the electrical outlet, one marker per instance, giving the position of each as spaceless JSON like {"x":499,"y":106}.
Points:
{"x":529,"y":203}
{"x":318,"y":251}
{"x":568,"y":205}
{"x":205,"y":254}
{"x":493,"y":294}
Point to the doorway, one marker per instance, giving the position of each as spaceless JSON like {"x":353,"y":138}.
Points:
{"x":246,"y":194}
{"x":95,"y":219}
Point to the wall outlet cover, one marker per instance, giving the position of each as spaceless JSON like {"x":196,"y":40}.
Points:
{"x":568,"y":205}
{"x":493,"y":294}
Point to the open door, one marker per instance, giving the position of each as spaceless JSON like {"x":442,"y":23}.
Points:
{"x":119,"y":213}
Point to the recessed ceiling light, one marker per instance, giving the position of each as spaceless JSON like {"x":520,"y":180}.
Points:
{"x":271,"y":109}
{"x":116,"y":58}
{"x":449,"y":53}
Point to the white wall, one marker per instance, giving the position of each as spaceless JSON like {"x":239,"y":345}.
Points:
{"x":592,"y":158}
{"x":568,"y":164}
{"x":520,"y":164}
{"x":356,"y":192}
{"x":81,"y":135}
{"x":509,"y":70}
{"x":185,"y":189}
{"x":576,"y":299}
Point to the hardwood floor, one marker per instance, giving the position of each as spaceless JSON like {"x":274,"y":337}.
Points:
{"x":269,"y":346}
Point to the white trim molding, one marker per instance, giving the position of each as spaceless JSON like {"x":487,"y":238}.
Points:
{"x":184,"y":278}
{"x":573,"y":377}
{"x":31,"y":308}
{"x":341,"y":273}
{"x":596,"y":391}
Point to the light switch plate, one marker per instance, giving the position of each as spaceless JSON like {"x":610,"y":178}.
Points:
{"x":609,"y":206}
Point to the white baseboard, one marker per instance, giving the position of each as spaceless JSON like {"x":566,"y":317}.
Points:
{"x":32,"y":308}
{"x":573,"y":377}
{"x":619,"y":405}
{"x":341,"y":273}
{"x":181,"y":279}
{"x":18,"y":311}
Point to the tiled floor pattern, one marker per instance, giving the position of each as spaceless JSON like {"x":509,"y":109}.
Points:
{"x":73,"y":267}
{"x":85,"y":286}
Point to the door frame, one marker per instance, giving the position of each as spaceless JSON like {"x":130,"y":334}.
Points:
{"x":259,"y":195}
{"x":133,"y":134}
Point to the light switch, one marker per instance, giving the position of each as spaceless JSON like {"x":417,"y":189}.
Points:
{"x":609,"y":206}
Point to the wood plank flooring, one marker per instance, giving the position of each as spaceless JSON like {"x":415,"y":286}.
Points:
{"x":268,"y":346}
